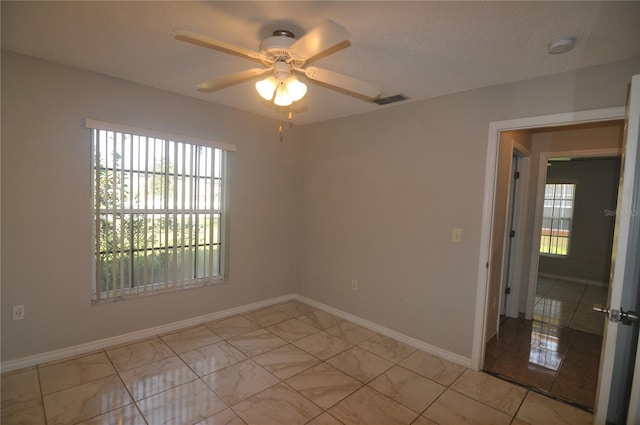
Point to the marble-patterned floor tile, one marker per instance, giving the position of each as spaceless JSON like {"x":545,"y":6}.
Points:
{"x":322,"y":345}
{"x":543,"y":285}
{"x":519,"y":369}
{"x":587,"y":320}
{"x":190,"y":339}
{"x":127,"y":415}
{"x":577,"y":379}
{"x":361,"y":364}
{"x":134,"y":355}
{"x":368,"y":407}
{"x":584,"y":350}
{"x":226,"y":417}
{"x":408,"y":388}
{"x":538,"y":409}
{"x":29,"y":412}
{"x":594,"y":295}
{"x":235,"y":383}
{"x":267,"y":316}
{"x":388,"y":348}
{"x":295,"y":308}
{"x":184,"y":405}
{"x":351,"y":333}
{"x":492,"y":352}
{"x":566,"y":291}
{"x":424,"y":421}
{"x":286,"y":361}
{"x":547,"y":336}
{"x":491,"y":391}
{"x":548,"y":359}
{"x":210,"y":358}
{"x":433,"y":367}
{"x":19,"y":386}
{"x":256,"y":342}
{"x":324,"y":385}
{"x":555,"y":312}
{"x":515,"y":330}
{"x":325,"y":419}
{"x":232,"y":326}
{"x":321,"y":319}
{"x":277,"y":405}
{"x":85,"y":401}
{"x":453,"y":408}
{"x":153,"y":378}
{"x":292,"y":330}
{"x":66,"y":374}
{"x":580,"y":390}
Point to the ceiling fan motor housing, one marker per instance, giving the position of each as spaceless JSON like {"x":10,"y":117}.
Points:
{"x":276,"y":47}
{"x":282,"y":70}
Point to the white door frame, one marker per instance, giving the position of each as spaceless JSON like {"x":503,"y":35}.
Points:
{"x":484,"y":266}
{"x":519,"y":226}
{"x":537,"y":220}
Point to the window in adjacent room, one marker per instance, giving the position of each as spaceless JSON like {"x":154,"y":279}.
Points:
{"x":158,"y":211}
{"x":557,"y":216}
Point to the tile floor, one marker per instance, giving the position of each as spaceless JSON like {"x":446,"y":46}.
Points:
{"x":558,"y":352}
{"x":285,"y":364}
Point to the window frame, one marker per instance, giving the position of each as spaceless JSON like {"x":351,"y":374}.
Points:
{"x":569,"y":231}
{"x":190,"y":208}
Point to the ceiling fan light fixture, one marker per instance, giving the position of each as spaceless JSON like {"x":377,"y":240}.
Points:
{"x":283,"y":98}
{"x":267,"y":87}
{"x":296,"y":89}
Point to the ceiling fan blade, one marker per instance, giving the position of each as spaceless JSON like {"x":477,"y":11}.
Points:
{"x":204,"y":40}
{"x":231,"y":79}
{"x":326,"y":37}
{"x":345,"y":83}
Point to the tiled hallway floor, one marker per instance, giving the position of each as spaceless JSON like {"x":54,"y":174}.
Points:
{"x":558,"y":352}
{"x":285,"y":364}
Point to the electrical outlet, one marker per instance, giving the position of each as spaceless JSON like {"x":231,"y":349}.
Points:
{"x":354,"y":284}
{"x":18,"y":312}
{"x":456,"y":235}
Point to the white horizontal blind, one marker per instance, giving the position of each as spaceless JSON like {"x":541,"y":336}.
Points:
{"x":158,"y":213}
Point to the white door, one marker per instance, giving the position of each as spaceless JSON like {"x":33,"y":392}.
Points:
{"x":619,"y":383}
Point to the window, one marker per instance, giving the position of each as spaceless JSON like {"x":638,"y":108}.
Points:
{"x":556,"y":218}
{"x":158,"y":208}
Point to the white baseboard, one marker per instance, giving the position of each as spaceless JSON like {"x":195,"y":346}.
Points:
{"x":573,"y":279}
{"x":106,"y":343}
{"x":421,"y":345}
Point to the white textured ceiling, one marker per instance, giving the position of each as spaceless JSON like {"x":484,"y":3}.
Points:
{"x":421,"y":49}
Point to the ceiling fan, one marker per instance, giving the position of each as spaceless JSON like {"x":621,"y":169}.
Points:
{"x":283,"y":55}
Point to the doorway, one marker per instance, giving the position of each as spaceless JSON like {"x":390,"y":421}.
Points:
{"x":557,"y":350}
{"x":551,"y":325}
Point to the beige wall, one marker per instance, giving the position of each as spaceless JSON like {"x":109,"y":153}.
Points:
{"x":382,"y":192}
{"x":46,"y":227}
{"x":371,"y":197}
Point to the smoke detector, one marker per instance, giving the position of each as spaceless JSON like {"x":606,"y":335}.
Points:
{"x":561,"y":45}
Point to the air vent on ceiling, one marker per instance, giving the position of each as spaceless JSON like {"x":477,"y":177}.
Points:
{"x":391,"y":99}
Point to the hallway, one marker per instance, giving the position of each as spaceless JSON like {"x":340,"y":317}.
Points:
{"x":558,"y":352}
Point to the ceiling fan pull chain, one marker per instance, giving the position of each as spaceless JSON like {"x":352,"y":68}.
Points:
{"x":280,"y":126}
{"x":290,"y":118}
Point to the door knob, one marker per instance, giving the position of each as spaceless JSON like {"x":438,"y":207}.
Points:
{"x":626,"y":317}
